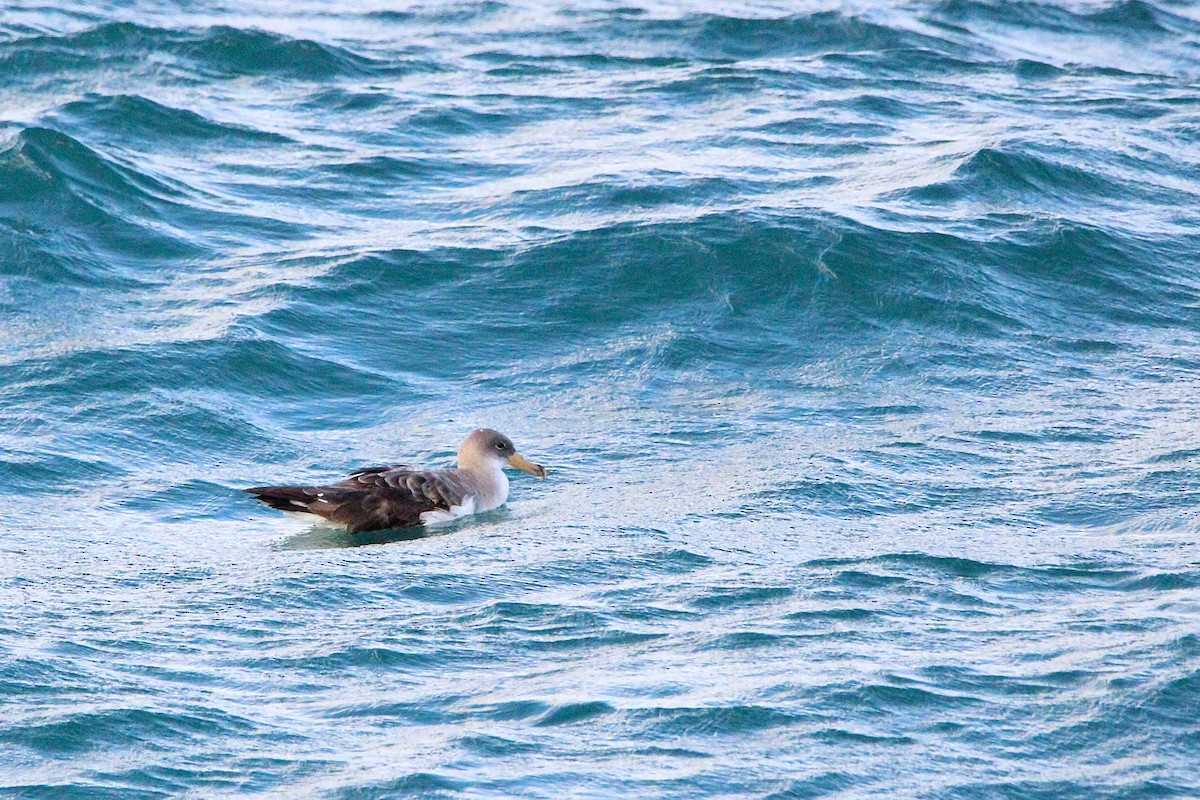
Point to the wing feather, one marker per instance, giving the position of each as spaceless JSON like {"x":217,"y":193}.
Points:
{"x":374,"y":498}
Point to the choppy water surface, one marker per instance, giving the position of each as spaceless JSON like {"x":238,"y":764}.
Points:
{"x":861,"y":344}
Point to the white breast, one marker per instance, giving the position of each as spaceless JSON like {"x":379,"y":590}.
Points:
{"x":492,"y":492}
{"x":495,"y":494}
{"x":441,"y":517}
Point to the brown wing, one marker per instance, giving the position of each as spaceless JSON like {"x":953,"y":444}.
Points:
{"x":371,"y":499}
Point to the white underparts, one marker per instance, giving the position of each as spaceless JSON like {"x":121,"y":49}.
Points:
{"x":440,"y":516}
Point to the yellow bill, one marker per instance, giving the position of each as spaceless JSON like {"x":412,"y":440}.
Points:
{"x":525,"y":465}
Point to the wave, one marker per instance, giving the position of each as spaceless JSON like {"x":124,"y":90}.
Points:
{"x":247,"y":365}
{"x":1006,"y":173}
{"x":415,"y":784}
{"x":721,"y":37}
{"x":719,"y":720}
{"x":173,"y":396}
{"x":1124,"y":18}
{"x":138,"y":119}
{"x":928,"y":573}
{"x":215,"y":52}
{"x":43,"y":473}
{"x":87,"y":731}
{"x":737,"y":288}
{"x":72,"y":214}
{"x":59,"y":196}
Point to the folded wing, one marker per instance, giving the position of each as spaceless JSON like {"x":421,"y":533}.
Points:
{"x":373,"y":499}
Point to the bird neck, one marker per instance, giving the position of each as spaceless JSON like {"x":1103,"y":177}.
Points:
{"x":488,"y":475}
{"x":478,"y":463}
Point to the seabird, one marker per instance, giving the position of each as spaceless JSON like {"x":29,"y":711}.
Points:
{"x":400,"y":496}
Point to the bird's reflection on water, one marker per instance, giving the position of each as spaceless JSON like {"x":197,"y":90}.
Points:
{"x":326,"y":537}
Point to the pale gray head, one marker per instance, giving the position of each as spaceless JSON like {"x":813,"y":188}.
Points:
{"x":488,"y":447}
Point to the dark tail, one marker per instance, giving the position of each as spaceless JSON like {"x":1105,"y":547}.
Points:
{"x":284,"y":498}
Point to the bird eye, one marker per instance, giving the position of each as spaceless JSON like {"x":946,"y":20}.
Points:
{"x":499,"y":445}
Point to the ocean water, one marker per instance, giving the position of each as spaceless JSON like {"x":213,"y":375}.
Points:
{"x":861,"y":342}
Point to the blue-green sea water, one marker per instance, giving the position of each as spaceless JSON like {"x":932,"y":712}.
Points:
{"x":861,"y":341}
